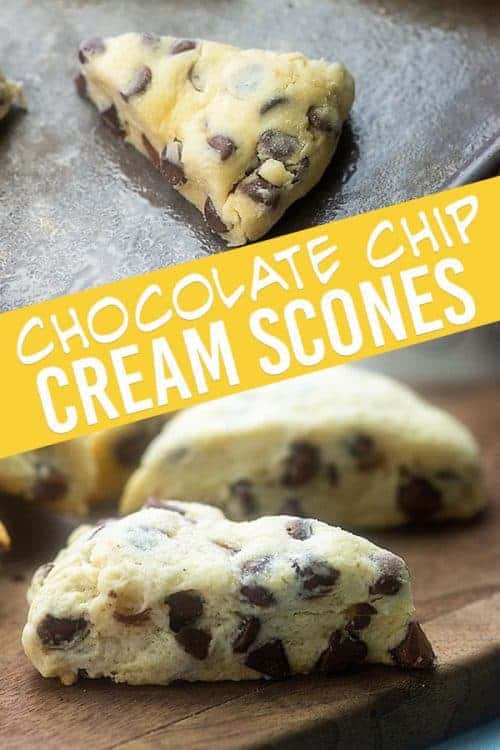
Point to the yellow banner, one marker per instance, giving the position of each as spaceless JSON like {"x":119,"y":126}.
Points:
{"x":237,"y":320}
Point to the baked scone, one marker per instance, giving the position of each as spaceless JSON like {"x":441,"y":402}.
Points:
{"x":117,"y":452}
{"x":60,"y":476}
{"x":4,"y":537}
{"x":345,"y":446}
{"x":242,"y":134}
{"x":177,"y":591}
{"x":11,"y":94}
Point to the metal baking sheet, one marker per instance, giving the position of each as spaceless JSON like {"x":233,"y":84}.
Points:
{"x":78,"y":209}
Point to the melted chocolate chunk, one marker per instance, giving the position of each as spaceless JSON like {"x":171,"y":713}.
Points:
{"x":415,"y":651}
{"x":320,"y":119}
{"x":316,"y":576}
{"x":172,"y":170}
{"x":50,"y":484}
{"x":292,"y":507}
{"x":275,"y":101}
{"x":418,"y":498}
{"x":301,"y":464}
{"x":164,"y":505}
{"x":242,"y":490}
{"x":332,"y":474}
{"x":224,"y":145}
{"x":140,"y":83}
{"x":90,"y":47}
{"x":195,"y":642}
{"x":261,"y":191}
{"x":135,"y":618}
{"x":185,"y":608}
{"x":359,"y":617}
{"x":299,"y":529}
{"x":153,"y":154}
{"x":299,"y":169}
{"x":129,"y":448}
{"x":111,"y":119}
{"x":255,"y":566}
{"x":389,"y":581}
{"x":62,"y":632}
{"x":274,"y":144}
{"x":341,"y":653}
{"x":258,"y":595}
{"x":183,"y":45}
{"x":246,"y":634}
{"x":270,"y":660}
{"x":363,"y":449}
{"x":81,"y":85}
{"x":212,"y":217}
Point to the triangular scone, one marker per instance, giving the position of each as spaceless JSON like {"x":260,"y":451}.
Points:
{"x":349,"y":447}
{"x":242,"y":134}
{"x":60,"y":477}
{"x":178,"y":592}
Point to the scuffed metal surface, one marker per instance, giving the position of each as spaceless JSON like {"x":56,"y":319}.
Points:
{"x":78,"y":209}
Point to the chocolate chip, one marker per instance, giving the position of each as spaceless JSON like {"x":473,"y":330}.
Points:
{"x":242,"y":490}
{"x":320,"y":119}
{"x":111,"y":118}
{"x":139,"y":84}
{"x":185,"y":608}
{"x":299,"y":169}
{"x":418,"y":498}
{"x":270,"y":660}
{"x":292,"y":507}
{"x":415,"y":651}
{"x":247,"y":633}
{"x":261,"y":191}
{"x":50,"y":484}
{"x":317,"y":577}
{"x":224,"y":145}
{"x":332,"y":474}
{"x":136,"y":618}
{"x":212,"y":217}
{"x":255,"y":566}
{"x":81,"y":85}
{"x":183,"y":45}
{"x":359,"y":617}
{"x":301,"y":463}
{"x":90,"y":47}
{"x":275,"y":101}
{"x":164,"y":505}
{"x":389,"y":581}
{"x":170,"y":163}
{"x":299,"y":529}
{"x":62,"y":632}
{"x":274,"y":144}
{"x":363,"y":449}
{"x":195,"y":642}
{"x":129,"y":448}
{"x":341,"y":653}
{"x":153,"y":154}
{"x":149,"y":38}
{"x":258,"y":595}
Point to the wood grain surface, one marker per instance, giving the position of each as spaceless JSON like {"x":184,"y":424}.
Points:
{"x":457,"y":588}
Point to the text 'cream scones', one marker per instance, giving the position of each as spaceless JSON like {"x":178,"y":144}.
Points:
{"x":345,"y":446}
{"x":177,"y":591}
{"x":242,"y":134}
{"x":61,"y":477}
{"x":117,"y":452}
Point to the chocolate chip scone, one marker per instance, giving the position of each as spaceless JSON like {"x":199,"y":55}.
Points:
{"x":61,"y":476}
{"x":242,"y":134}
{"x":11,"y":94}
{"x":117,"y":453}
{"x":341,"y":445}
{"x":177,"y":591}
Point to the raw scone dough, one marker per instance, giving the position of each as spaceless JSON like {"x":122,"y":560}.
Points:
{"x":11,"y":94}
{"x":176,"y":591}
{"x":341,"y":445}
{"x":60,"y":476}
{"x":242,"y":134}
{"x":117,"y":453}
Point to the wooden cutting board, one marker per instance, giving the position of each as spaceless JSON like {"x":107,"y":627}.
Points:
{"x":457,"y":589}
